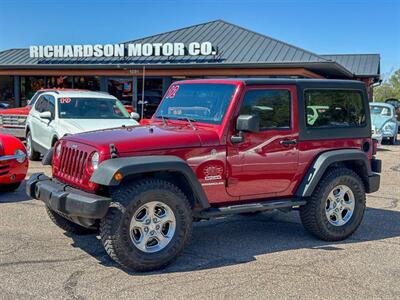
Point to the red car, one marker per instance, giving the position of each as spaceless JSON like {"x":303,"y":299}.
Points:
{"x":13,"y":163}
{"x":13,"y":120}
{"x":216,"y":148}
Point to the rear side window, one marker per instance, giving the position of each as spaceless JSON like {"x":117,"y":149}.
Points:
{"x":273,"y":107}
{"x":334,"y":108}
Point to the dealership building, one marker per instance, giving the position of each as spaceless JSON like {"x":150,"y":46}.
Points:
{"x":215,"y":49}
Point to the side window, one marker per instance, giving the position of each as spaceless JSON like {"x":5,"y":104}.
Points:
{"x":40,"y":104}
{"x":51,"y":105}
{"x":335,"y":108}
{"x":273,"y":106}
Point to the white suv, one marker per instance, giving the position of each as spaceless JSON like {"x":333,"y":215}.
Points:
{"x":57,"y":113}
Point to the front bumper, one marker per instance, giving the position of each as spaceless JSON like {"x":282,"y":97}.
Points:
{"x":64,"y":199}
{"x":17,"y":132}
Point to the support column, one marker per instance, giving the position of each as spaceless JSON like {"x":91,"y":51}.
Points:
{"x":17,"y":91}
{"x":134,"y":93}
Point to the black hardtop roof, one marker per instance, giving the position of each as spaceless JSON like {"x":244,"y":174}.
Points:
{"x":301,"y":81}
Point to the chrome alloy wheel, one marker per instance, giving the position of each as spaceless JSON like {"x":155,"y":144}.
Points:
{"x":152,"y":227}
{"x":340,"y":205}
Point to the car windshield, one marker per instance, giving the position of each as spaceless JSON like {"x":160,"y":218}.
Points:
{"x":380,"y":110}
{"x":204,"y":103}
{"x":91,"y":108}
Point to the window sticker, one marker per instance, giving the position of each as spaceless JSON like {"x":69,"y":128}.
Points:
{"x":65,"y":100}
{"x":172,"y":91}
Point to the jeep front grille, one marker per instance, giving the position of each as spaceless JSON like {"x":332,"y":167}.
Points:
{"x":14,"y":120}
{"x":72,"y":163}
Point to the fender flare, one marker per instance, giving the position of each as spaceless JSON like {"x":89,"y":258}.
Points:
{"x":104,"y":174}
{"x":321,"y":164}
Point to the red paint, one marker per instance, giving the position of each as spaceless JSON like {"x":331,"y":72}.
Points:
{"x":260,"y":167}
{"x":11,"y":171}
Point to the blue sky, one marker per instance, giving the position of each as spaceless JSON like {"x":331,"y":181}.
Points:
{"x":324,"y":27}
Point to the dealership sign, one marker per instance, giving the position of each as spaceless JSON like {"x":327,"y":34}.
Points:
{"x":123,"y":50}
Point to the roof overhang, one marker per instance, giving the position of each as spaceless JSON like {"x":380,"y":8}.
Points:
{"x":327,"y":69}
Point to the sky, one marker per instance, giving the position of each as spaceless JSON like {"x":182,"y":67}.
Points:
{"x":322,"y":27}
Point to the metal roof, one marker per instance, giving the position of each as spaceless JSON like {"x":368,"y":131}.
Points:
{"x":236,"y":47}
{"x":358,"y":64}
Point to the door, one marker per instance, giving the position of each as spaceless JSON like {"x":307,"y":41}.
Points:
{"x":43,"y":128}
{"x":36,"y":123}
{"x":265,"y":163}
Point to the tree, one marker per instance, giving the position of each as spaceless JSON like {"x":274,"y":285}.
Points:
{"x":390,"y":88}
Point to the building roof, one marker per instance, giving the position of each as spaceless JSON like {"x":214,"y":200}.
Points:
{"x":236,"y":47}
{"x":358,"y":64}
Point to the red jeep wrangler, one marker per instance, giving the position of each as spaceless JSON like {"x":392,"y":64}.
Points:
{"x":214,"y":148}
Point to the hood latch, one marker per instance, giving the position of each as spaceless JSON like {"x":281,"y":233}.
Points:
{"x":113,"y":151}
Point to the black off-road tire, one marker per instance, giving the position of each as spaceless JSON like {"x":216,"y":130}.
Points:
{"x":8,"y":188}
{"x":127,"y":199}
{"x":32,"y":154}
{"x":313,"y":214}
{"x":66,"y":224}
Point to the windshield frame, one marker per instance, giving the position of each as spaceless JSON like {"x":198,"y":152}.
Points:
{"x":117,"y":102}
{"x":182,"y":117}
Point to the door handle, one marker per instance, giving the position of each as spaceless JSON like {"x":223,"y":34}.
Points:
{"x":288,"y":142}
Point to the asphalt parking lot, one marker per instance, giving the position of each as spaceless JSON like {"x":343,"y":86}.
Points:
{"x":263,"y":256}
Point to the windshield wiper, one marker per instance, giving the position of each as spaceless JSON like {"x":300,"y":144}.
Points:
{"x":164,"y":119}
{"x":190,"y":120}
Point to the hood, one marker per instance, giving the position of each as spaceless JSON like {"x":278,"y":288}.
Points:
{"x":378,"y":121}
{"x":145,"y":138}
{"x":73,"y":126}
{"x":16,"y":111}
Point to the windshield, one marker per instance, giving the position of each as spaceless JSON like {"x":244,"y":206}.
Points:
{"x":91,"y":108}
{"x":205,"y":103}
{"x":380,"y":110}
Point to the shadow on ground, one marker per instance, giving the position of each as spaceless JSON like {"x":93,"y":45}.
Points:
{"x":17,"y":196}
{"x":239,"y":239}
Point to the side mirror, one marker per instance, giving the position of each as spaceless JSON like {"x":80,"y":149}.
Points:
{"x":45,"y":115}
{"x":245,"y":123}
{"x":248,"y":123}
{"x":135,"y":116}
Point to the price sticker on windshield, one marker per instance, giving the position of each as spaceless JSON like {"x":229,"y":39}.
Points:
{"x":65,"y":100}
{"x":172,"y":91}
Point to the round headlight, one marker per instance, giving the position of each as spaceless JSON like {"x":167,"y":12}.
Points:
{"x":95,"y":160}
{"x":58,"y":150}
{"x":20,"y":156}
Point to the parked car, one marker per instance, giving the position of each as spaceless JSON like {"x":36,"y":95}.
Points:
{"x":215,"y":148}
{"x":13,"y":120}
{"x":384,"y":122}
{"x":4,"y":105}
{"x":13,"y":163}
{"x":396,"y":104}
{"x":58,"y":113}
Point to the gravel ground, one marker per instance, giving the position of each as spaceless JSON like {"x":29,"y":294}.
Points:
{"x":263,"y":256}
